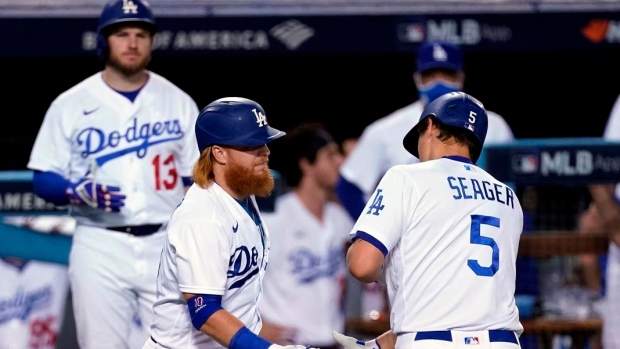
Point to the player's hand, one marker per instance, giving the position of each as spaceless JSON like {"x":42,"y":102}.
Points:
{"x":87,"y":192}
{"x":352,"y":343}
{"x":276,"y":346}
{"x":281,"y":335}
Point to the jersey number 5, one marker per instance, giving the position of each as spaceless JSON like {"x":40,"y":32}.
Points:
{"x":476,"y":238}
{"x":166,"y":174}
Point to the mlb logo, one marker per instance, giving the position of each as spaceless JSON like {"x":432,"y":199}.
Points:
{"x":525,"y":164}
{"x":472,"y":340}
{"x":470,"y":127}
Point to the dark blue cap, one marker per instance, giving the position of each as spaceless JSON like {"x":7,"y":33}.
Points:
{"x":439,"y":55}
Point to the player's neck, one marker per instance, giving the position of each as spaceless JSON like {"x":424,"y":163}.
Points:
{"x":440,"y":150}
{"x":122,"y":82}
{"x":312,"y":197}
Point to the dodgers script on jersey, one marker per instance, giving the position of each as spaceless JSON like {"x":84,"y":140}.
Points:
{"x":482,"y":220}
{"x":92,"y":129}
{"x":228,"y":253}
{"x":380,"y":145}
{"x":32,"y":304}
{"x":306,"y":262}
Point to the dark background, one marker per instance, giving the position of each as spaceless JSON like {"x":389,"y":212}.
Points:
{"x":540,"y":94}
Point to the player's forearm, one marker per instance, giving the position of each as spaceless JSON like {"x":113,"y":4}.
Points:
{"x":387,"y":340}
{"x":365,"y":262}
{"x":609,"y":209}
{"x":222,"y":326}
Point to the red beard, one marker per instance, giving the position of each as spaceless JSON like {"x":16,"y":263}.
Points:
{"x":245,"y":182}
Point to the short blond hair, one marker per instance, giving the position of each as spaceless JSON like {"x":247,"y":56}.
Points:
{"x":202,"y":173}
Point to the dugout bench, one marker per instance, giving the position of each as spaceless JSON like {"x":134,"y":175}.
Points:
{"x":545,"y":162}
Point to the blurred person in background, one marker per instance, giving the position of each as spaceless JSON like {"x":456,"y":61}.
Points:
{"x":119,"y":148}
{"x":606,"y":197}
{"x":33,"y":293}
{"x":439,"y":70}
{"x":305,"y":285}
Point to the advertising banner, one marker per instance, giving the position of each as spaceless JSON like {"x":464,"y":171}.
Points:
{"x":326,"y":34}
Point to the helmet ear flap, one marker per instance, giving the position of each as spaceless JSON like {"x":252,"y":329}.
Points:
{"x":102,"y":46}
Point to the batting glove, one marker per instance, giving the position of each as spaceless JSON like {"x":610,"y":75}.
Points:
{"x":87,"y":192}
{"x":352,"y":343}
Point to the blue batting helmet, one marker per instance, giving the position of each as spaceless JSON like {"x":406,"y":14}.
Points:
{"x":122,"y":11}
{"x":456,"y":109}
{"x":234,"y":121}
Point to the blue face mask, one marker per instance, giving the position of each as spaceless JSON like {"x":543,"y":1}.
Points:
{"x":431,"y":91}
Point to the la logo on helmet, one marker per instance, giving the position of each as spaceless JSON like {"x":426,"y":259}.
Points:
{"x":129,"y":7}
{"x":261,"y":119}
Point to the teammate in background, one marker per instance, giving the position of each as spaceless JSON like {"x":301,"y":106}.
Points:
{"x":119,"y":148}
{"x":308,"y":233}
{"x":33,"y":293}
{"x":439,"y":69}
{"x":607,"y":200}
{"x":217,"y":245}
{"x":447,"y":234}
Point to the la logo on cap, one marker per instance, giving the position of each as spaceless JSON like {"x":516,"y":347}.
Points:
{"x":439,"y":54}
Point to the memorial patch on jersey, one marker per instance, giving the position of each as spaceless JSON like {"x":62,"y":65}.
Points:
{"x":472,"y":340}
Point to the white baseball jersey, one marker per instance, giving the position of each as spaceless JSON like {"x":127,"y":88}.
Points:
{"x":32,"y":304}
{"x":33,"y":293}
{"x":381,"y":145}
{"x":451,"y":233}
{"x":144,"y":147}
{"x":306,"y":262}
{"x":213,"y":247}
{"x":611,"y":312}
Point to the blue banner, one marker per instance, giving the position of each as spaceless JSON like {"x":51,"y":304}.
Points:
{"x":562,"y":161}
{"x":326,"y":34}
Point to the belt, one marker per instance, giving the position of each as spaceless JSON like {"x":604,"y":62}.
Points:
{"x":494,"y":336}
{"x":137,"y":230}
{"x":335,"y":346}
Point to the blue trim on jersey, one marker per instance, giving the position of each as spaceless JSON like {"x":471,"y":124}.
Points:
{"x":51,"y":187}
{"x":246,"y":339}
{"x":245,"y":205}
{"x":187,"y":181}
{"x":351,"y":197}
{"x":505,"y":336}
{"x":370,"y":239}
{"x":459,"y":158}
{"x":202,"y":306}
{"x":131,"y":95}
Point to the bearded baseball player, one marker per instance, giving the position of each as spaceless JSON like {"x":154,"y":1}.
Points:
{"x":217,"y":246}
{"x":119,"y":148}
{"x":439,"y":70}
{"x":447,"y":234}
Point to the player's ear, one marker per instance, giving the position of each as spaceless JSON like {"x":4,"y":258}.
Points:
{"x":417,"y":80}
{"x":460,"y":78}
{"x":303,"y":164}
{"x":219,"y":154}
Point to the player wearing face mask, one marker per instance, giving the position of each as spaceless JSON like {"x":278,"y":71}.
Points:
{"x":439,"y":70}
